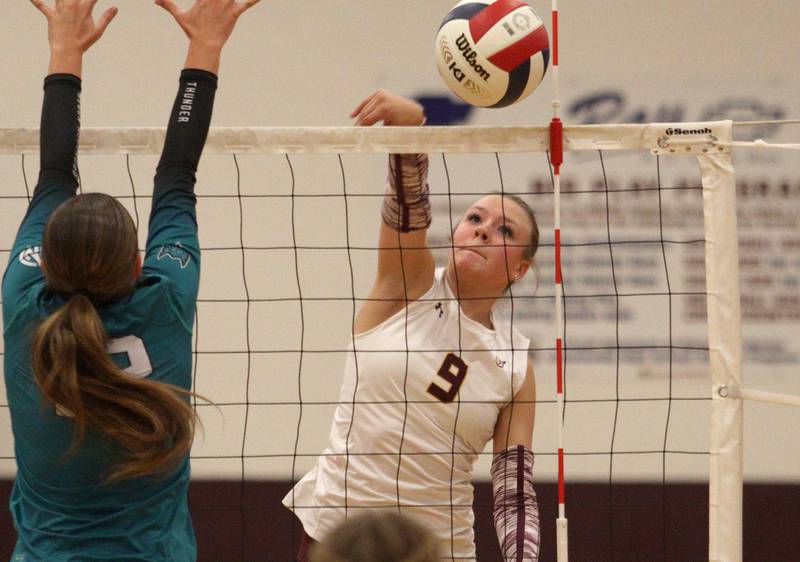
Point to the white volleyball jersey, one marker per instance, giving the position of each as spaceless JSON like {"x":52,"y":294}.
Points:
{"x":420,"y":399}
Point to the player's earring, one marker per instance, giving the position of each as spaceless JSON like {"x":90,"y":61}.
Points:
{"x":516,"y":276}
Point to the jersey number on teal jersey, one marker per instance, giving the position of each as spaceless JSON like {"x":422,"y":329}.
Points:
{"x":139,"y":365}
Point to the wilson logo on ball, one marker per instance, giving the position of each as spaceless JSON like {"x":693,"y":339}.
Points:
{"x":470,"y":56}
{"x":502,"y":45}
{"x":459,"y":75}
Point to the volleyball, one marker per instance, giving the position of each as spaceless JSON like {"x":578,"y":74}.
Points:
{"x":492,"y":54}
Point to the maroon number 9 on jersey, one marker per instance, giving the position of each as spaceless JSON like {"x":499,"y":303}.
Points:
{"x":453,"y":370}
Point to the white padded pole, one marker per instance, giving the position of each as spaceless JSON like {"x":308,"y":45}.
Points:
{"x":725,"y":356}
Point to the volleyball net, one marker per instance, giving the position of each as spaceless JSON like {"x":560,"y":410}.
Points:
{"x":649,"y":298}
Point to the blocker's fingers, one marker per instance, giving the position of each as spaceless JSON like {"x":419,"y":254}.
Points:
{"x":42,"y":7}
{"x":105,"y":19}
{"x":246,"y":5}
{"x":169,"y":6}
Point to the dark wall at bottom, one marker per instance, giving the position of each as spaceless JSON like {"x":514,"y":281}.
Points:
{"x":238,"y":522}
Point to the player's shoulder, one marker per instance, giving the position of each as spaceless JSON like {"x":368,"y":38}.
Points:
{"x":153,"y":292}
{"x":20,"y":309}
{"x":152,"y":303}
{"x":22,"y":271}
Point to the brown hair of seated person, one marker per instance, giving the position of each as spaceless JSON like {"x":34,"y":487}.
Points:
{"x":371,"y":536}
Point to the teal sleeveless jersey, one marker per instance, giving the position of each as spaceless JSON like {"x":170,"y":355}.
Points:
{"x":62,"y":508}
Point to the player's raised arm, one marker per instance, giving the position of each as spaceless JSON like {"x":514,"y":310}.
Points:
{"x":71,"y":31}
{"x":405,"y":263}
{"x":172,"y":245}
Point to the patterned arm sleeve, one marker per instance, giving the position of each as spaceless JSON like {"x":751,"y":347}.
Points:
{"x":406,"y":202}
{"x":516,"y":511}
{"x":58,"y":181}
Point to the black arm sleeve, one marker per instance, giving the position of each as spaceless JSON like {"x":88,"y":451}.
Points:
{"x":188,"y":123}
{"x":173,"y":219}
{"x":60,"y":127}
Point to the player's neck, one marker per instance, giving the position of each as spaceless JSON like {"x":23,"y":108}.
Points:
{"x":474,"y":302}
{"x":479,"y":309}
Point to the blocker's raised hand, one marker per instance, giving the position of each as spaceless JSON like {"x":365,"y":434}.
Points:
{"x":210,"y":22}
{"x":71,"y":28}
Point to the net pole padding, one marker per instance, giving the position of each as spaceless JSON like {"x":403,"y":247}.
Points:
{"x":760,"y":396}
{"x":556,"y":160}
{"x":725,"y":354}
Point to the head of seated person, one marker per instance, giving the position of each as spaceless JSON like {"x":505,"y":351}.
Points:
{"x":371,"y":536}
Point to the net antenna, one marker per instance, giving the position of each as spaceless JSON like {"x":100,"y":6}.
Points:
{"x":556,"y":160}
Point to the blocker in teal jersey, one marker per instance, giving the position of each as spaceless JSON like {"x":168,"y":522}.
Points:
{"x":98,"y":343}
{"x":60,"y":502}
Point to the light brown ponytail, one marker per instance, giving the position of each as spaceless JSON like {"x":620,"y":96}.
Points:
{"x":89,"y":257}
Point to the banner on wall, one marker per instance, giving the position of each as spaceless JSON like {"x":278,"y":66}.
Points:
{"x":768,"y":190}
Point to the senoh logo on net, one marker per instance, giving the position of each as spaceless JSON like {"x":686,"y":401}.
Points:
{"x":679,"y":131}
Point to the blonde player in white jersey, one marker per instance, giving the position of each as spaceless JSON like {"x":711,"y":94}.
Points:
{"x":434,"y":372}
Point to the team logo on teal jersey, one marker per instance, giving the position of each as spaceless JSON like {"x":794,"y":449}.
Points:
{"x":174,"y":252}
{"x":31,"y":256}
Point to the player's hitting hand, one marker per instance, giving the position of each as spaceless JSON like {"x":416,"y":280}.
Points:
{"x":71,"y":27}
{"x":389,"y":108}
{"x":208,"y":21}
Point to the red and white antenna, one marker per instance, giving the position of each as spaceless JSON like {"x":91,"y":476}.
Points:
{"x":557,"y":159}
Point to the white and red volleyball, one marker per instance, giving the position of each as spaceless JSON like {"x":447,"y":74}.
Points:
{"x":492,"y":54}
